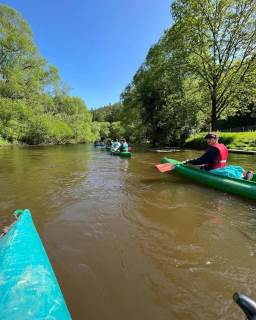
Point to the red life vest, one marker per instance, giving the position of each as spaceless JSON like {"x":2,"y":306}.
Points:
{"x":223,"y":156}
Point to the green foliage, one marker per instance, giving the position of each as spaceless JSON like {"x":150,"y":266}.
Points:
{"x":101,"y":129}
{"x":109,"y":113}
{"x":23,"y":73}
{"x":115,"y":121}
{"x":3,"y":142}
{"x":58,"y":131}
{"x":243,"y":118}
{"x":163,"y":98}
{"x":116,"y":129}
{"x":216,"y":41}
{"x":14,"y":116}
{"x":134,"y":129}
{"x":201,"y":70}
{"x":233,"y":140}
{"x":34,"y":108}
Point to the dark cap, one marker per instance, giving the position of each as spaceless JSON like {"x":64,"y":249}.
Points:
{"x":211,"y":135}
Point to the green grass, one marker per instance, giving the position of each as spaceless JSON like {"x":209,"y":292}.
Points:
{"x":233,"y":140}
{"x":3,"y":142}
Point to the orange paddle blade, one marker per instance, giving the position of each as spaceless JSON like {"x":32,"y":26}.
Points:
{"x":164,"y":167}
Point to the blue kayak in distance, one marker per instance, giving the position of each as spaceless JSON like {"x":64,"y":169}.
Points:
{"x":28,"y":286}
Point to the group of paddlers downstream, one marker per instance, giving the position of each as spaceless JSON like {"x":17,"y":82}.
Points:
{"x":211,"y":168}
{"x":115,"y":147}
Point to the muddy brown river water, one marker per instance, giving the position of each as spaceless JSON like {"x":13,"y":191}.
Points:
{"x":129,"y":243}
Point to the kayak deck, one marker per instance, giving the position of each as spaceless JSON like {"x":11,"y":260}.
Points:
{"x":30,"y":288}
{"x":240,"y":187}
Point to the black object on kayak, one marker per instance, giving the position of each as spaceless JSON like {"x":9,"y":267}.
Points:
{"x":246,"y":304}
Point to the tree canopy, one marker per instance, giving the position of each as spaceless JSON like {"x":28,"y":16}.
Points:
{"x":201,"y":71}
{"x":217,"y":42}
{"x":34,"y":108}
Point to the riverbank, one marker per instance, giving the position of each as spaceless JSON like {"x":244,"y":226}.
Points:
{"x":235,"y":141}
{"x":4,"y":142}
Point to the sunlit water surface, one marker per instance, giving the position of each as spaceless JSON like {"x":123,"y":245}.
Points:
{"x":129,"y":243}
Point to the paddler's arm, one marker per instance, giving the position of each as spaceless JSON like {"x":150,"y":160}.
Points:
{"x":208,"y":157}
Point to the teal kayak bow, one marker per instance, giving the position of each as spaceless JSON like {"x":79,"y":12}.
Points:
{"x":28,"y":287}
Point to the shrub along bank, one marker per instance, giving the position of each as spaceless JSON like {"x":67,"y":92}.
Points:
{"x":233,"y":140}
{"x":3,"y":142}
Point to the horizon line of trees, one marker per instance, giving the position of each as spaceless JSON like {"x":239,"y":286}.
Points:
{"x":200,"y":73}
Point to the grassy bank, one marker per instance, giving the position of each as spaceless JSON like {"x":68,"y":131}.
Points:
{"x":3,"y":142}
{"x":233,"y":140}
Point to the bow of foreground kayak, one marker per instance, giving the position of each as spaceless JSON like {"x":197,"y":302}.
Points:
{"x":28,"y":286}
{"x":240,"y":187}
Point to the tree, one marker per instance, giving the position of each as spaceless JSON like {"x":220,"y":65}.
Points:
{"x":109,"y":113}
{"x":101,"y":129}
{"x":74,"y":112}
{"x":34,"y":105}
{"x":23,"y":73}
{"x":116,"y":130}
{"x":134,"y":129}
{"x":216,"y":39}
{"x":165,"y":98}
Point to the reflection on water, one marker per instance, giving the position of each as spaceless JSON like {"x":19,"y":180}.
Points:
{"x":129,"y":243}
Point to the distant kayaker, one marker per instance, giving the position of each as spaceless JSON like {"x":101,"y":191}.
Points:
{"x":109,"y":143}
{"x":124,"y":146}
{"x":215,"y":156}
{"x":115,"y":145}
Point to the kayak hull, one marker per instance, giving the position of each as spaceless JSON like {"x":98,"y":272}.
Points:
{"x":29,"y":288}
{"x":240,"y":187}
{"x":121,"y":154}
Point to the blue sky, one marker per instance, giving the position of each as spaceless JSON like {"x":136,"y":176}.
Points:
{"x":97,"y":45}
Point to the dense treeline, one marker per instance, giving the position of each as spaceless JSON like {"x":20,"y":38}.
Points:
{"x":115,"y":121}
{"x":200,"y":75}
{"x":34,"y":106}
{"x":200,"y":72}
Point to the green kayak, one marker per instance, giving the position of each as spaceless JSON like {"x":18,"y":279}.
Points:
{"x":122,"y":154}
{"x":240,"y":187}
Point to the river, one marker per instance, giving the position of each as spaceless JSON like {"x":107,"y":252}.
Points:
{"x":127,"y":242}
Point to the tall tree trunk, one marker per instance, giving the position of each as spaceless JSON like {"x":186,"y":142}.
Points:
{"x":213,"y":120}
{"x":214,"y":110}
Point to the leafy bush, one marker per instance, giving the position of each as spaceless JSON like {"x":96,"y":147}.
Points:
{"x":3,"y":142}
